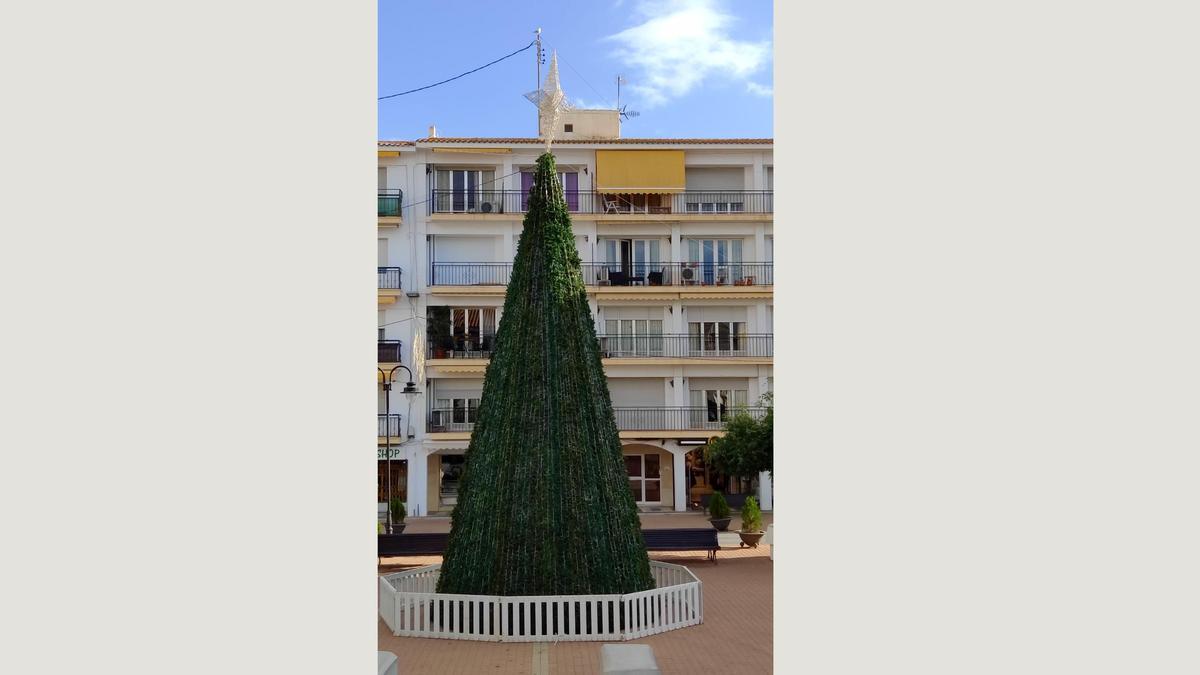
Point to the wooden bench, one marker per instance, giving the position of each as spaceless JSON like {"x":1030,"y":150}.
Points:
{"x":434,"y":543}
{"x":683,"y":539}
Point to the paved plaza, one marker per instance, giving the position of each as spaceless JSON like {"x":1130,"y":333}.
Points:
{"x":736,"y":636}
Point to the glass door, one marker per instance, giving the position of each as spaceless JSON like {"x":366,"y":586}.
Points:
{"x":473,"y":328}
{"x":711,"y":408}
{"x":645,"y":481}
{"x":632,"y":337}
{"x":718,"y":260}
{"x":722,"y":338}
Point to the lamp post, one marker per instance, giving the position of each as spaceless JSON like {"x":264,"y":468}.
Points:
{"x":410,"y":390}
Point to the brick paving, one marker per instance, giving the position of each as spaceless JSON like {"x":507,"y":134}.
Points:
{"x":736,"y":636}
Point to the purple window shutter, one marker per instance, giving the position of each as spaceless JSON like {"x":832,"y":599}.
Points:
{"x":526,"y":183}
{"x":572,"y":191}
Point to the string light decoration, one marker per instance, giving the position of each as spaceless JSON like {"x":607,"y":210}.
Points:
{"x":544,"y":506}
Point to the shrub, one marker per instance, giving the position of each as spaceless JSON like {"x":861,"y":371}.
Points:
{"x":717,"y":506}
{"x":751,"y":516}
{"x":399,"y":510}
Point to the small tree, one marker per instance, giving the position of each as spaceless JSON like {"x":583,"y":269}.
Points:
{"x":718,"y":508}
{"x":399,"y":510}
{"x":748,"y":446}
{"x":751,"y":516}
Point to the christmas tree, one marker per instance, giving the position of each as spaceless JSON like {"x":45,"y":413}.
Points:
{"x":544,"y":506}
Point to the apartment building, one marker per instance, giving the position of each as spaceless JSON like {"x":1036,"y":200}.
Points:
{"x":676,"y":241}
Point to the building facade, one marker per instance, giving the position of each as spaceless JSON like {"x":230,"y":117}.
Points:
{"x":676,"y":239}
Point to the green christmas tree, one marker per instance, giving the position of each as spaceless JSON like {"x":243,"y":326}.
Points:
{"x":544,"y":506}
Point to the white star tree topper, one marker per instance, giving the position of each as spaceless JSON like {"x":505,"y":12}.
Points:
{"x":551,"y":103}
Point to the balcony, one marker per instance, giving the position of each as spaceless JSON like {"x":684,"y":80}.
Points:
{"x":687,"y":346}
{"x":460,"y":347}
{"x":664,"y":418}
{"x":391,"y":203}
{"x":389,"y":425}
{"x":688,"y":203}
{"x":680,"y":275}
{"x":389,"y":278}
{"x":389,"y":351}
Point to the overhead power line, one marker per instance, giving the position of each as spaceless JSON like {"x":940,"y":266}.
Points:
{"x":428,"y":86}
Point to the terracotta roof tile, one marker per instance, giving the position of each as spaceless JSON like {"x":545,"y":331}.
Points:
{"x":397,"y":143}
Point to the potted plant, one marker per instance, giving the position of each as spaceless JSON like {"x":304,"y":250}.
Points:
{"x":399,"y":510}
{"x":752,"y":529}
{"x":718,"y":509}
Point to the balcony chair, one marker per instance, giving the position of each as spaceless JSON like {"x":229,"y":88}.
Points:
{"x":654,"y":278}
{"x":618,"y":279}
{"x":611,"y":206}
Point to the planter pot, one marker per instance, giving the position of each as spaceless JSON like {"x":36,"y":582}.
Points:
{"x":750,"y":538}
{"x":397,"y":528}
{"x":720,"y":523}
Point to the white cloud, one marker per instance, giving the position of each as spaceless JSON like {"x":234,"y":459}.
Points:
{"x":679,"y":44}
{"x":760,"y":89}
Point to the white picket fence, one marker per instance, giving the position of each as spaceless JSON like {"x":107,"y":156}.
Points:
{"x":410,"y":607}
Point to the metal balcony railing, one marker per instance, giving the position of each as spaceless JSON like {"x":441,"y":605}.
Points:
{"x":389,"y":351}
{"x":687,"y":346}
{"x":460,"y":347}
{"x":679,"y":274}
{"x":442,"y":420}
{"x":616,"y":274}
{"x":678,"y":418}
{"x":389,"y":425}
{"x":688,"y":202}
{"x":391,"y":202}
{"x":389,"y":277}
{"x":469,"y":274}
{"x":649,"y":418}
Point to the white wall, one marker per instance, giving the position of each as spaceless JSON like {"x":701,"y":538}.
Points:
{"x":464,"y":249}
{"x":715,"y":178}
{"x":641,"y":391}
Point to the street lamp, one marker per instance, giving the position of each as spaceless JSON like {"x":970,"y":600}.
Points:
{"x":410,"y":391}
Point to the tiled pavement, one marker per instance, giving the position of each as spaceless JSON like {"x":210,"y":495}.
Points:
{"x":734,"y":638}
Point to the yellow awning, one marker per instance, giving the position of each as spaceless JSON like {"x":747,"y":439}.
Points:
{"x":639,"y":171}
{"x":389,"y":153}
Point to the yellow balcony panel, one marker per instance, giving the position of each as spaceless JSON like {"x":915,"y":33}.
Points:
{"x":729,"y":292}
{"x":456,"y":366}
{"x":449,"y":436}
{"x":690,"y":361}
{"x":671,"y":433}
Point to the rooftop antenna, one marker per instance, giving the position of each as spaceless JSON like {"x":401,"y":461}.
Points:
{"x":627,"y":114}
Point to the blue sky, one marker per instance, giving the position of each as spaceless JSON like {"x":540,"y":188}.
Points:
{"x":693,"y":68}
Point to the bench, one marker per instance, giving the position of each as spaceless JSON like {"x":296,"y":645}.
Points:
{"x":434,"y":543}
{"x":683,"y":539}
{"x":425,"y":543}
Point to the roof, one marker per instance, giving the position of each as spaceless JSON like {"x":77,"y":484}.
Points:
{"x":611,"y":141}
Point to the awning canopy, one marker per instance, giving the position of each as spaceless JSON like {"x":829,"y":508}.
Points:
{"x":640,"y":171}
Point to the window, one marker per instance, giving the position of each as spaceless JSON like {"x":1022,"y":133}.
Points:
{"x":466,"y":190}
{"x":645,"y":480}
{"x":568,"y":128}
{"x":570,"y":186}
{"x":634,"y":260}
{"x":455,"y":414}
{"x":712,"y":407}
{"x":472,"y":328}
{"x":715,"y":337}
{"x":632,"y":337}
{"x":713,"y":261}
